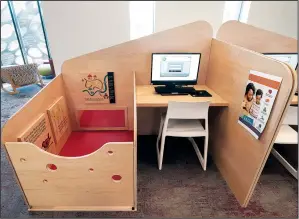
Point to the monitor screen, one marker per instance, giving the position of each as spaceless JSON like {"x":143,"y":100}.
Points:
{"x":176,"y":68}
{"x":289,"y":58}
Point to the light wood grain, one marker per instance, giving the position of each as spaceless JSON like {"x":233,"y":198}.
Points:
{"x":294,"y":100}
{"x":147,"y":97}
{"x":59,"y":118}
{"x":256,"y":39}
{"x":32,"y":110}
{"x":135,"y":143}
{"x":72,"y":184}
{"x":40,"y":134}
{"x":124,"y":93}
{"x":81,"y":208}
{"x":237,"y":154}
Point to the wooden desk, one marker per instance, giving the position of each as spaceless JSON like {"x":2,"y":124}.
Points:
{"x":294,"y":100}
{"x":146,"y":97}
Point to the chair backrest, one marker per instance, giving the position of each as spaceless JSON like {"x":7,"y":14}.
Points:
{"x":187,"y":110}
{"x":291,"y":116}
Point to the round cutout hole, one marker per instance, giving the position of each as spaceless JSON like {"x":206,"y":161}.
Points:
{"x":116,"y":178}
{"x":110,"y":152}
{"x":22,"y":159}
{"x":51,"y":167}
{"x":45,"y":181}
{"x":90,"y":169}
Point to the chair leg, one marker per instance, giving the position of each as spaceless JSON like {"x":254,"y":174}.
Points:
{"x":201,"y":159}
{"x":40,"y":81}
{"x":206,"y":152}
{"x":285,"y":163}
{"x":161,"y":152}
{"x":158,"y":139}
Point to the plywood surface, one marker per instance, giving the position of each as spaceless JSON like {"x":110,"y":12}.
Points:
{"x":80,"y":183}
{"x":238,"y":155}
{"x":40,"y":134}
{"x":32,"y":109}
{"x":295,"y":100}
{"x":147,"y":97}
{"x":59,"y":119}
{"x":256,"y":39}
{"x":79,"y":99}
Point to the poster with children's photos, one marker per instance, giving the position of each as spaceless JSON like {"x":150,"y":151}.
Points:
{"x":259,"y":96}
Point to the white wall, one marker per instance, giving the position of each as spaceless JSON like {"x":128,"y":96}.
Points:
{"x":278,"y":16}
{"x":75,"y":28}
{"x":169,"y":14}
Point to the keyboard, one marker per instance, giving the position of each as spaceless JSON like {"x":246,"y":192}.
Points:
{"x":176,"y":90}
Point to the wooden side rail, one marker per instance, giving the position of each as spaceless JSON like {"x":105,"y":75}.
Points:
{"x":102,"y":180}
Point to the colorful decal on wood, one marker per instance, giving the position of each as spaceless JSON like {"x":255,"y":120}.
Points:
{"x":59,"y":119}
{"x":99,"y":90}
{"x":259,"y":97}
{"x":40,"y":134}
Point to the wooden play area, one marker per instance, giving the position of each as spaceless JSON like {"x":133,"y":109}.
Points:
{"x":73,"y":146}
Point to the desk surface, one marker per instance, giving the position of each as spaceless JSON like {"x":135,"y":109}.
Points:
{"x":295,"y":100}
{"x":146,"y":97}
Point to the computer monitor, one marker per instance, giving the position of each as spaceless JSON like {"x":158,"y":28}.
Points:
{"x":289,"y":58}
{"x":172,"y":69}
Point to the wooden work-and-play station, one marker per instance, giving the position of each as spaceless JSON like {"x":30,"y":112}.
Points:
{"x":73,"y":146}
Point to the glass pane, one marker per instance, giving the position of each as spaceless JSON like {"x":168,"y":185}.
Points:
{"x":245,"y":11}
{"x":28,"y":18}
{"x":231,"y":10}
{"x":141,"y":18}
{"x":10,"y":49}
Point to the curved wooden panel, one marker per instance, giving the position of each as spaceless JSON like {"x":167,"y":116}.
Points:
{"x":238,"y":155}
{"x":135,"y":55}
{"x":102,"y":180}
{"x":256,"y":39}
{"x":33,"y":109}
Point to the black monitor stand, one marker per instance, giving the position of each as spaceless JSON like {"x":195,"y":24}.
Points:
{"x":174,"y":89}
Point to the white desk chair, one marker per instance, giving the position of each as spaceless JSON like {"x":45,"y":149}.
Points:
{"x":287,"y":135}
{"x":182,"y":120}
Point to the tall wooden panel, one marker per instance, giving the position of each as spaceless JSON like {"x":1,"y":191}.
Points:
{"x":135,"y":56}
{"x":237,"y":154}
{"x":32,"y":110}
{"x":256,"y":39}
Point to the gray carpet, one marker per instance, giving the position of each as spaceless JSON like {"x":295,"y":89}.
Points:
{"x":181,"y":189}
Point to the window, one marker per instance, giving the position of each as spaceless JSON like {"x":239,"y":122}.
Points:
{"x":236,"y":10}
{"x":23,"y":38}
{"x":141,"y":18}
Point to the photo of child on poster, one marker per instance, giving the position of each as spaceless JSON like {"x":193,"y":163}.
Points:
{"x":259,"y":96}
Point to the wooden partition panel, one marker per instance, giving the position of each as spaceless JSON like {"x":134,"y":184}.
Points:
{"x":40,"y":133}
{"x":238,"y":155}
{"x":256,"y":39}
{"x":135,"y":56}
{"x":81,"y":99}
{"x":100,"y":181}
{"x":32,"y":110}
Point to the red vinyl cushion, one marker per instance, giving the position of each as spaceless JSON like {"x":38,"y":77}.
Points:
{"x":86,"y":142}
{"x":102,"y":118}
